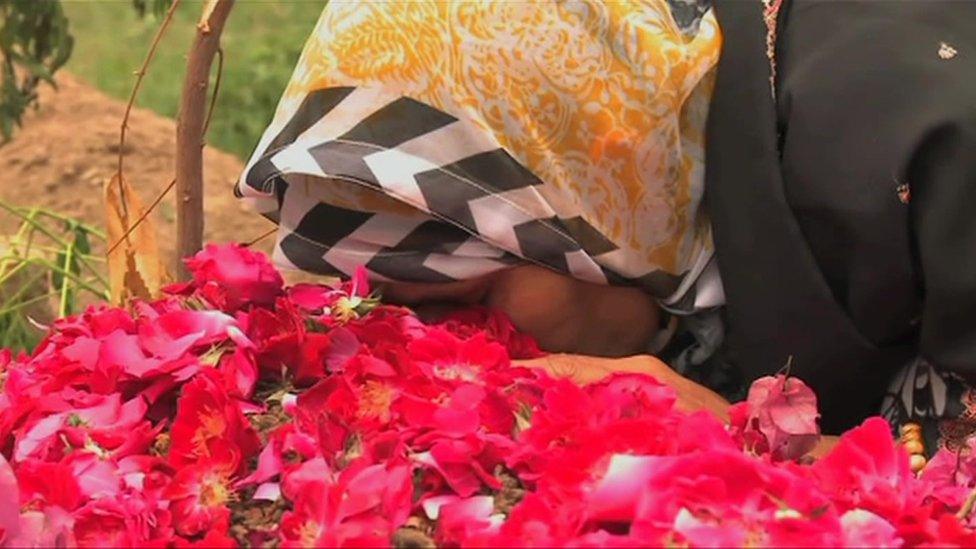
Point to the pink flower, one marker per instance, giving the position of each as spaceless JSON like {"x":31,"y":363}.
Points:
{"x":277,"y":336}
{"x":106,"y":426}
{"x":105,"y":523}
{"x":616,"y":495}
{"x":463,"y":465}
{"x":214,"y":538}
{"x":952,"y":474}
{"x":111,"y":426}
{"x":147,"y":428}
{"x":97,"y":477}
{"x":723,"y":490}
{"x":496,"y":326}
{"x":9,"y":503}
{"x":361,"y":506}
{"x":454,"y":416}
{"x":240,"y":373}
{"x":45,"y":483}
{"x":311,"y":363}
{"x":575,"y":430}
{"x":865,"y":529}
{"x":358,"y":285}
{"x":706,"y":533}
{"x":443,"y":356}
{"x":460,"y":519}
{"x":778,"y":417}
{"x":535,"y":522}
{"x":312,"y":298}
{"x":319,"y":299}
{"x":868,"y":471}
{"x":199,"y":495}
{"x":48,"y":528}
{"x":270,"y":463}
{"x":173,"y":334}
{"x":232,"y":276}
{"x":866,"y":467}
{"x":209,"y":427}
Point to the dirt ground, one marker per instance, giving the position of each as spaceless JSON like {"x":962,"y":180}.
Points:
{"x":69,"y":147}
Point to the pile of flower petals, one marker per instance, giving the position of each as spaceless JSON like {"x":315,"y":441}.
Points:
{"x":240,"y":412}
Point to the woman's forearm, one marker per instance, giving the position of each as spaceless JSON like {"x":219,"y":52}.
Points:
{"x":569,"y":316}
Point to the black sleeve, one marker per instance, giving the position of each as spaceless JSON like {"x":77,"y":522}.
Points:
{"x":942,"y":178}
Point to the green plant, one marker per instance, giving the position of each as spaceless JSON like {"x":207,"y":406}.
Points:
{"x":261,"y":41}
{"x":158,"y":7}
{"x":34,"y":43}
{"x":47,"y":271}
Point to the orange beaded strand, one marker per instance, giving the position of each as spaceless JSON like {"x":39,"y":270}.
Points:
{"x":911,"y":439}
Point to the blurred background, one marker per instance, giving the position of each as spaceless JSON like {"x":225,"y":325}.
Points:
{"x":67,"y":68}
{"x":261,"y":42}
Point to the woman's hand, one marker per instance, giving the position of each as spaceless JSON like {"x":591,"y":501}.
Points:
{"x":566,"y":315}
{"x":563,"y":314}
{"x":587,"y":369}
{"x":824,"y":446}
{"x":691,"y":396}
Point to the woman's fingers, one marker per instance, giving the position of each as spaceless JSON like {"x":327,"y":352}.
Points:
{"x":580,"y":369}
{"x":589,"y":369}
{"x":691,"y":396}
{"x":824,"y":446}
{"x":586,"y":369}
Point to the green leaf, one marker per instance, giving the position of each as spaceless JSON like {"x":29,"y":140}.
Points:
{"x":34,"y":44}
{"x":81,"y":241}
{"x":158,"y":7}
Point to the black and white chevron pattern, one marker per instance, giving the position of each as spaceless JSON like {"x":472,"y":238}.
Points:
{"x":478,"y":209}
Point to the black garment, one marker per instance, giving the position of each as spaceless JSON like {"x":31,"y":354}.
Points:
{"x":820,"y":258}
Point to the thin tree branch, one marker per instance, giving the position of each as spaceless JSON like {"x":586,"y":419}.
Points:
{"x":140,"y":74}
{"x":260,"y":238}
{"x":159,"y":198}
{"x":216,"y":89}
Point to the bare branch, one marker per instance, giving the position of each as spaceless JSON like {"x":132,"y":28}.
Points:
{"x":135,"y":91}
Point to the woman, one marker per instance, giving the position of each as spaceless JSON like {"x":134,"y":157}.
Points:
{"x":836,"y":179}
{"x":842,"y":188}
{"x":542,"y":158}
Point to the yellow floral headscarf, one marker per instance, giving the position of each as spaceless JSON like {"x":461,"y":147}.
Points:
{"x":564,"y":133}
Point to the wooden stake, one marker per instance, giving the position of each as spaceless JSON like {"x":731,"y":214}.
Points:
{"x":189,"y":132}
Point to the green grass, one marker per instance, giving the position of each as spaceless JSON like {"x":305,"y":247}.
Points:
{"x":261,"y":42}
{"x":47,"y":271}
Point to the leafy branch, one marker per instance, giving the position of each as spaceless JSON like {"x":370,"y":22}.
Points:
{"x":34,"y":43}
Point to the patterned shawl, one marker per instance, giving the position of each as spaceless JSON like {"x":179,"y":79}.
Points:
{"x":442,"y":140}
